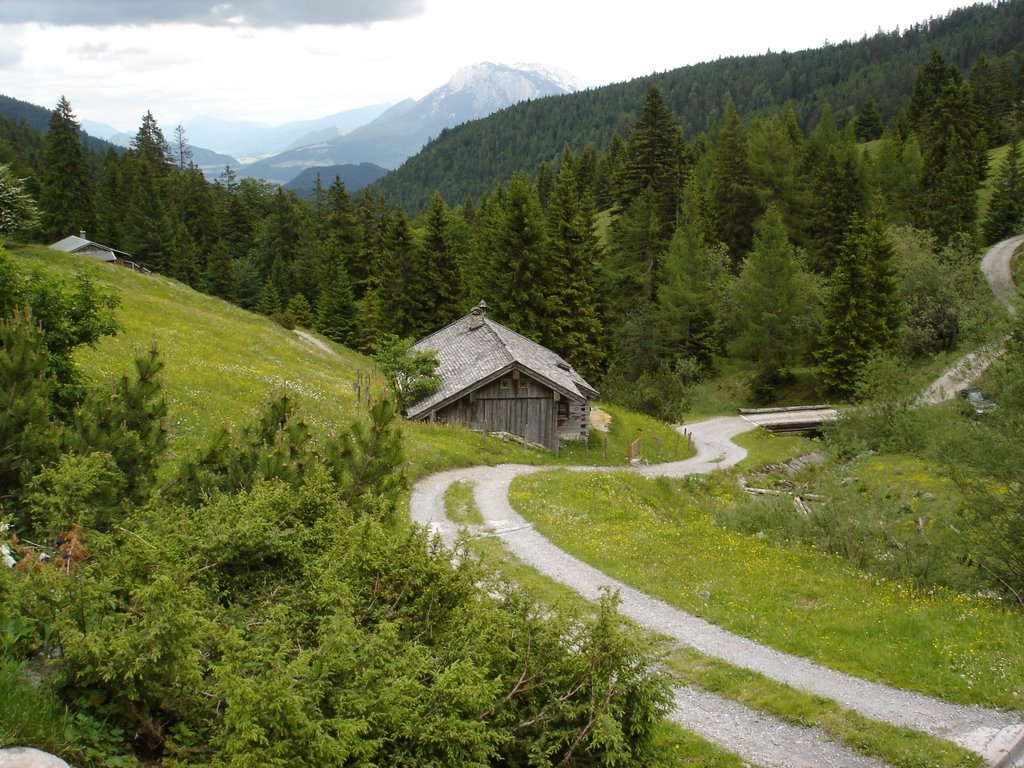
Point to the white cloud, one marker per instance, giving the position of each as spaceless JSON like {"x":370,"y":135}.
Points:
{"x":256,"y":13}
{"x":277,"y":69}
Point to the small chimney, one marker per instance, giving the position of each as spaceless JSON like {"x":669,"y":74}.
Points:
{"x":81,"y":234}
{"x":476,"y":315}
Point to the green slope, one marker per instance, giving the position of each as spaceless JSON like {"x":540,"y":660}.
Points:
{"x":223,"y":363}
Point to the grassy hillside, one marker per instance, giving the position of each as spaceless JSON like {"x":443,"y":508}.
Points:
{"x":223,"y":363}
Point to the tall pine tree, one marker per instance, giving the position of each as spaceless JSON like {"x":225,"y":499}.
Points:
{"x":693,"y":292}
{"x":1005,"y":215}
{"x":66,"y":188}
{"x":517,"y":261}
{"x":734,"y":200}
{"x":773,"y":300}
{"x":654,"y":159}
{"x":860,"y":315}
{"x":441,"y":285}
{"x":575,"y":329}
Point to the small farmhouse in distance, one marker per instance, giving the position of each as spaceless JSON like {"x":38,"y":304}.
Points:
{"x":79,"y":244}
{"x":496,"y":380}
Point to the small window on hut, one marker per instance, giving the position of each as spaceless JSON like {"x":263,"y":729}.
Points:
{"x":506,"y":383}
{"x":563,"y":409}
{"x":524,"y":384}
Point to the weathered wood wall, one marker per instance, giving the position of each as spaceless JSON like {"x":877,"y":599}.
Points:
{"x":519,"y":405}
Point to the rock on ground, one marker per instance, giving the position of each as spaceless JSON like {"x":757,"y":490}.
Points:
{"x":27,"y":757}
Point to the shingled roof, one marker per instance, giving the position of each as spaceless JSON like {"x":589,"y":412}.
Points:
{"x":475,"y":350}
{"x":77,"y":244}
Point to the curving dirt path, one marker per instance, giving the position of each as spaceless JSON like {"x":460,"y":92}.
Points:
{"x":997,"y":736}
{"x":995,"y":266}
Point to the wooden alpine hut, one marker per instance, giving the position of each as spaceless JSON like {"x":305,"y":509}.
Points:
{"x":496,"y":380}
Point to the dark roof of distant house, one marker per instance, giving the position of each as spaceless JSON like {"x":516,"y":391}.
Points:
{"x":76,"y":244}
{"x":475,"y":350}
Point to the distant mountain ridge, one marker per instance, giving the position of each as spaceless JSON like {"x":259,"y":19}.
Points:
{"x":354,"y":177}
{"x":462,"y":161}
{"x":362,"y":143}
{"x":38,"y":118}
{"x":246,"y":138}
{"x":401,"y":131}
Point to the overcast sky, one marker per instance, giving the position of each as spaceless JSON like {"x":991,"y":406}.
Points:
{"x":277,"y":61}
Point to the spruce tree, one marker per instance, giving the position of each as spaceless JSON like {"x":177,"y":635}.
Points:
{"x":182,"y":150}
{"x":880,"y":253}
{"x":933,"y":77}
{"x":477,"y":279}
{"x":575,"y":327}
{"x":301,"y":311}
{"x":337,"y":222}
{"x":859,"y":316}
{"x":733,"y":199}
{"x":148,"y":230}
{"x":691,"y":297}
{"x":868,"y":123}
{"x":440,"y":279}
{"x":1005,"y":215}
{"x":219,"y":275}
{"x":953,"y":148}
{"x":653,"y":159}
{"x":66,"y":188}
{"x":839,"y":198}
{"x":518,"y":261}
{"x":373,"y":216}
{"x":396,"y":282}
{"x":150,"y":145}
{"x":335,"y":308}
{"x":993,"y":100}
{"x":773,"y":302}
{"x":111,"y":201}
{"x":183,"y":257}
{"x":269,"y":301}
{"x":635,"y":256}
{"x":847,"y":330}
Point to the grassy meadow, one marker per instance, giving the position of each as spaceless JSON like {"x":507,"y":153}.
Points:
{"x":896,"y":746}
{"x":223,"y":363}
{"x":660,"y":536}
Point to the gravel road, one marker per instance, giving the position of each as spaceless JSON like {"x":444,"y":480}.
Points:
{"x":985,"y":731}
{"x":995,"y":265}
{"x":756,"y":737}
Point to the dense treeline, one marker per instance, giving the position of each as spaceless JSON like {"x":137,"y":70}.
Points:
{"x":878,"y":70}
{"x":756,"y":240}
